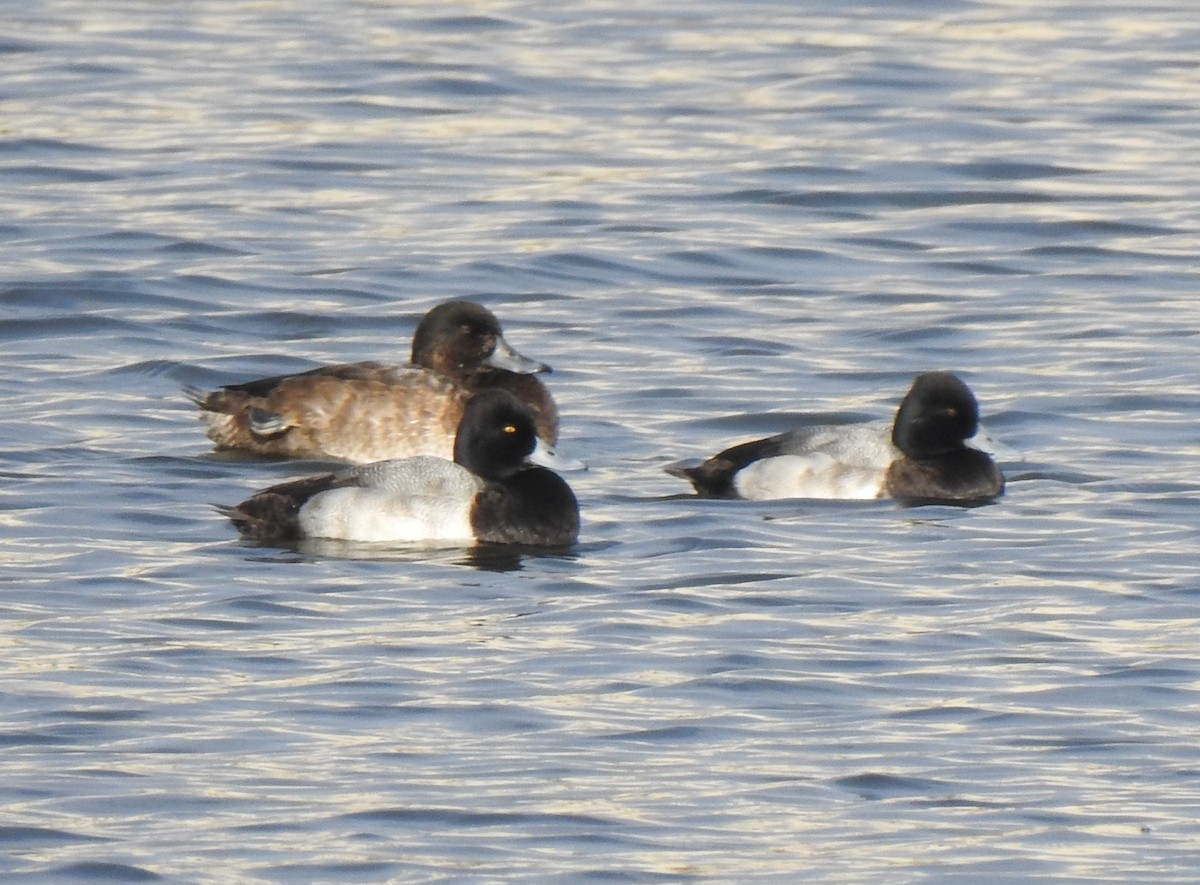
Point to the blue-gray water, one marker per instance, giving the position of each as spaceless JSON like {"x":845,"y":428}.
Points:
{"x":710,"y":218}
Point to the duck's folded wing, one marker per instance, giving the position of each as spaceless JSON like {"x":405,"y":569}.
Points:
{"x":263,"y":387}
{"x":865,"y":444}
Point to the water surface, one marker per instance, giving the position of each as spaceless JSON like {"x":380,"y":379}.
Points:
{"x":712,"y":222}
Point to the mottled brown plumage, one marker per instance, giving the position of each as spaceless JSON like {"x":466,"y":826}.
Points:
{"x":372,"y":411}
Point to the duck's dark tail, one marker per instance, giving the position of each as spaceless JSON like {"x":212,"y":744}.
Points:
{"x":197,"y":396}
{"x":273,"y":515}
{"x":265,"y":517}
{"x":712,"y":479}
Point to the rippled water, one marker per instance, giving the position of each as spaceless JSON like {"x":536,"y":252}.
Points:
{"x":711,"y":220}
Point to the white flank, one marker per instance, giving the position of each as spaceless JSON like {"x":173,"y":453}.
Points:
{"x":807,"y":476}
{"x":409,"y":499}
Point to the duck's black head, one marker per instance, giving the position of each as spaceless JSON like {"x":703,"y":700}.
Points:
{"x":496,"y":435}
{"x":936,"y":416}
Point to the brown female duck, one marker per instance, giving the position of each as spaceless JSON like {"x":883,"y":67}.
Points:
{"x":370,"y":411}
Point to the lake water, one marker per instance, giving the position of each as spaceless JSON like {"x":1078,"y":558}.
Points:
{"x":712,"y":219}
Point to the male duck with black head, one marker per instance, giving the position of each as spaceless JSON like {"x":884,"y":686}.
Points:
{"x":495,"y":491}
{"x":927,"y":460}
{"x":369,"y":411}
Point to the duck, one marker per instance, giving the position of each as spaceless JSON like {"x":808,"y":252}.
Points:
{"x":498,"y":489}
{"x":369,"y":411}
{"x":923,"y":457}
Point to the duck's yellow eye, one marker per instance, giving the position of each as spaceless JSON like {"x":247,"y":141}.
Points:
{"x":510,"y":428}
